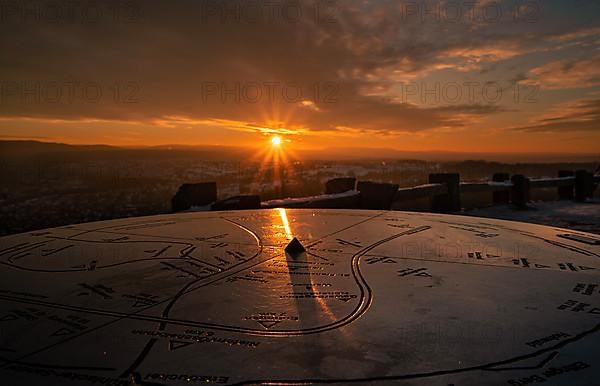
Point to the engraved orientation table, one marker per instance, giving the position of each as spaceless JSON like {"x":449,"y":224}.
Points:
{"x":360,"y":297}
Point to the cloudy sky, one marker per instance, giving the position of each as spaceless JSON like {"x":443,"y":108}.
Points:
{"x":410,"y":75}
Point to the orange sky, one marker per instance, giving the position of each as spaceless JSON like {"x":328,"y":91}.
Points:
{"x":141,"y":134}
{"x":371,"y":76}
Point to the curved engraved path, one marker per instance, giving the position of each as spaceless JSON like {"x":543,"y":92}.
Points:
{"x":377,"y":297}
{"x":362,"y":306}
{"x":170,"y":301}
{"x":365,"y":299}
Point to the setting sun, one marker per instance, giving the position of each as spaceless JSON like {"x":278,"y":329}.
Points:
{"x":276,"y":141}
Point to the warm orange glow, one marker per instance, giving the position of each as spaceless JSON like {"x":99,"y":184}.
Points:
{"x":485,"y":136}
{"x":288,"y":232}
{"x":276,"y":141}
{"x":286,"y":224}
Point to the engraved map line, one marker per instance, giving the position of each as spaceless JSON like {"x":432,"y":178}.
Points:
{"x":117,"y":315}
{"x":484,"y":367}
{"x":365,"y":299}
{"x":459,"y":370}
{"x":132,"y":315}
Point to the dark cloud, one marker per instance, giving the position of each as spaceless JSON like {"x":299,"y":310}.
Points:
{"x":580,"y":116}
{"x":168,"y":56}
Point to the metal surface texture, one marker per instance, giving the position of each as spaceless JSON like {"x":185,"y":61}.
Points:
{"x":374,"y":298}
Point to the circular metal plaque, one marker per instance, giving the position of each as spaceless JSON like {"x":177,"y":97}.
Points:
{"x":358,"y":297}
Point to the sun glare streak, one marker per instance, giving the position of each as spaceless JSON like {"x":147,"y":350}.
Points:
{"x":288,"y":231}
{"x":286,"y":224}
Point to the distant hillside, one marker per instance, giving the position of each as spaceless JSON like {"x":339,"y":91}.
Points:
{"x":443,"y":156}
{"x":35,"y":150}
{"x":28,"y":150}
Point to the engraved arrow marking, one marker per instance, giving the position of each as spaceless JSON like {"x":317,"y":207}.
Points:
{"x":177,"y":344}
